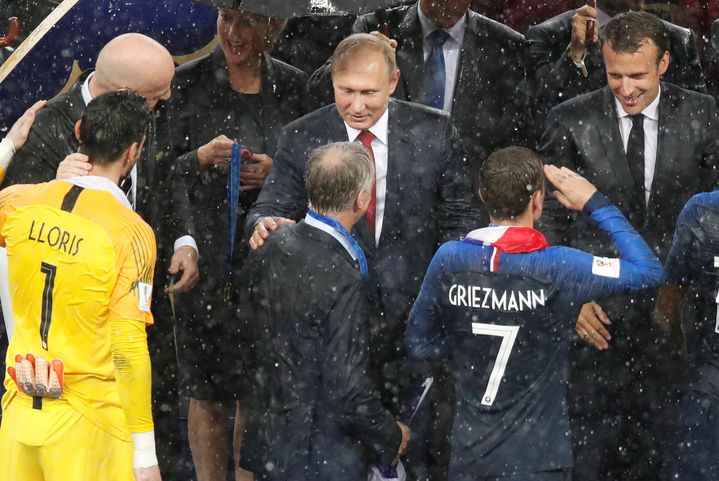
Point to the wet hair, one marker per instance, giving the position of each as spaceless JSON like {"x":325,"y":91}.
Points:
{"x":508,"y":179}
{"x":359,"y":42}
{"x":627,"y":32}
{"x":111,"y":123}
{"x":336,"y":173}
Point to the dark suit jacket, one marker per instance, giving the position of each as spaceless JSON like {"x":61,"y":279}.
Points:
{"x":583,"y":135}
{"x":429,"y":199}
{"x":161,"y":194}
{"x":559,"y":80}
{"x":491,"y":98}
{"x":317,"y":414}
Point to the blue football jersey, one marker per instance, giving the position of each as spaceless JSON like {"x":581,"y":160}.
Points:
{"x":504,"y":312}
{"x":693,"y":262}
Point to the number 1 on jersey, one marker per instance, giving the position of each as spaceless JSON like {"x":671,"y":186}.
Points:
{"x":46,"y":316}
{"x":508,"y":335}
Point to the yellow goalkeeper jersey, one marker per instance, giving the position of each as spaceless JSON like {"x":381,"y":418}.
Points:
{"x":78,"y":258}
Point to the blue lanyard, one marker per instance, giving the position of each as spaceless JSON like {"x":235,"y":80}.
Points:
{"x":233,"y":202}
{"x":340,"y":228}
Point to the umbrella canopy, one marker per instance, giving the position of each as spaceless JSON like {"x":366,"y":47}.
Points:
{"x":303,"y":8}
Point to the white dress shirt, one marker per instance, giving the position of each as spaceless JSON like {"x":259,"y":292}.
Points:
{"x":185,"y":240}
{"x":451,"y":50}
{"x":651,"y":134}
{"x":381,"y":151}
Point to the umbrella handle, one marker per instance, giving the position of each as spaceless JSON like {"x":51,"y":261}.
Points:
{"x":382,"y":25}
{"x":13,"y":31}
{"x":589,"y":37}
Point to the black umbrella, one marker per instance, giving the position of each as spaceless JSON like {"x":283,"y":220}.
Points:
{"x":303,"y":8}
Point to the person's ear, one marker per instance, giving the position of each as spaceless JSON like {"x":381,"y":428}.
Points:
{"x":362,"y":200}
{"x":481,"y":197}
{"x":664,"y":63}
{"x":393,"y":81}
{"x":537,"y":203}
{"x":132,"y":154}
{"x":77,"y":129}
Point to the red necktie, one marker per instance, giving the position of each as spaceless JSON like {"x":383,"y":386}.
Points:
{"x":366,"y":138}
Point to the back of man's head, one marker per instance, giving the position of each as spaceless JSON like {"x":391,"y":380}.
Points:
{"x":627,"y":32}
{"x":360,"y":43}
{"x":110,"y":124}
{"x":336,"y":174}
{"x":507,"y":181}
{"x":136,"y":62}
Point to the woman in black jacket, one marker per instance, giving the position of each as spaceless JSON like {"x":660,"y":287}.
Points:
{"x":236,"y":94}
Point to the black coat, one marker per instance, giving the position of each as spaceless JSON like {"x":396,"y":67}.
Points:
{"x":317,"y":415}
{"x":202,"y":107}
{"x":491,"y":98}
{"x":558,"y":79}
{"x":429,"y":198}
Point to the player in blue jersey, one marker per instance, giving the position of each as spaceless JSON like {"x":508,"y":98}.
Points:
{"x":693,"y":277}
{"x":502,"y":304}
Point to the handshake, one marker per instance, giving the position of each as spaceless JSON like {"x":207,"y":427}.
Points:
{"x":35,"y":376}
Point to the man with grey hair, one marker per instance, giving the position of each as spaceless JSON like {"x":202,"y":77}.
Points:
{"x":317,"y":413}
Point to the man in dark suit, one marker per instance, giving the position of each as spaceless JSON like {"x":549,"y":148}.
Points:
{"x":319,"y":415}
{"x":566,"y":67}
{"x":649,"y":146}
{"x":478,"y":77}
{"x":423,"y":194}
{"x":156,"y":191}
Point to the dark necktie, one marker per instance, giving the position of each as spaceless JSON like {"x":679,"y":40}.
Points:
{"x":635,"y":152}
{"x":434,"y":70}
{"x":366,"y":137}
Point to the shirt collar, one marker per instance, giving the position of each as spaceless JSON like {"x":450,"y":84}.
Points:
{"x":379,"y":129}
{"x":456,"y":31}
{"x":86,"y":95}
{"x":309,"y":220}
{"x":96,"y":182}
{"x":651,"y":111}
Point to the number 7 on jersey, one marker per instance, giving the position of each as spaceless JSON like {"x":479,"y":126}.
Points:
{"x":508,"y":335}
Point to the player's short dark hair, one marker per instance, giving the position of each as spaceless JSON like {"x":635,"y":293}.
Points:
{"x":508,"y":179}
{"x":111,"y":123}
{"x":627,"y":32}
{"x":336,"y":173}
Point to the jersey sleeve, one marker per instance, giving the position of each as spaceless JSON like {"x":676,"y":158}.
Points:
{"x":585,"y":276}
{"x":678,"y":266}
{"x":131,"y":298}
{"x":426,"y":337}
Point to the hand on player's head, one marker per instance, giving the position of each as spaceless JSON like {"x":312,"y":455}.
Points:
{"x":573,"y":190}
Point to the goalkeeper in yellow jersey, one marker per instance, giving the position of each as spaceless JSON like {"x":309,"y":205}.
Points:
{"x":78,"y":403}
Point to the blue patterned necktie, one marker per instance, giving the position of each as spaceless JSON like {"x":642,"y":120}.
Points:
{"x":434,"y":70}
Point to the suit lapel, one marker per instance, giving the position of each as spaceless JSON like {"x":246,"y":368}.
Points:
{"x":611,"y":139}
{"x":410,"y":55}
{"x":666,"y":143}
{"x":469,"y":66}
{"x":398,"y":161}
